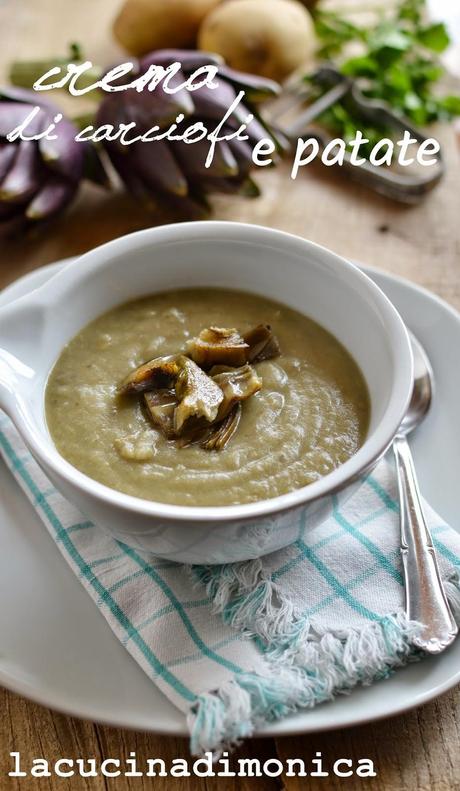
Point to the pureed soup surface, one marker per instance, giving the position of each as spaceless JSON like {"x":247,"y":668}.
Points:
{"x":311,"y":414}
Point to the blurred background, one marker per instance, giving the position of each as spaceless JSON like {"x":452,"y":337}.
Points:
{"x":406,"y":51}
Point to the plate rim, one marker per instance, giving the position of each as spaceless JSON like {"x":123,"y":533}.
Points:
{"x":288,"y":726}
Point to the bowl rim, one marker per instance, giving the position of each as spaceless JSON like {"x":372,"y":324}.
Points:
{"x":357,"y":466}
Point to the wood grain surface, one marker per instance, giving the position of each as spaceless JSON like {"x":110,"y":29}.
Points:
{"x":419,"y":750}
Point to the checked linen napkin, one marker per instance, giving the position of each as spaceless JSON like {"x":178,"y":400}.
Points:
{"x":240,"y":645}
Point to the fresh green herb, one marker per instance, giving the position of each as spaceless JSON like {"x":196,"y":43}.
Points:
{"x":397,"y":62}
{"x":342,"y":122}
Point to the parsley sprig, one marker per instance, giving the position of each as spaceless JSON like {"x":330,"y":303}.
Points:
{"x":399,"y":61}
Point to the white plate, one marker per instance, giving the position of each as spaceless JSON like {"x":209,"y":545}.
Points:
{"x":56,"y":648}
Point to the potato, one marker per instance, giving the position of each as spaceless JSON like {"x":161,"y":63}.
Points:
{"x":144,"y":25}
{"x":267,"y":37}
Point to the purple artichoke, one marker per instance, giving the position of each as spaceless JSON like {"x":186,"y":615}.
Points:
{"x":37,"y":178}
{"x":175,"y":170}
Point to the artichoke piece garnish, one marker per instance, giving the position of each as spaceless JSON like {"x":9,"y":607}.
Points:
{"x":263,"y":344}
{"x":237,"y":384}
{"x":194,"y":432}
{"x":161,"y":405}
{"x":198,"y":395}
{"x":224,"y":346}
{"x":191,"y":406}
{"x":222,"y":432}
{"x":157,"y":374}
{"x":218,"y":346}
{"x":214,"y":436}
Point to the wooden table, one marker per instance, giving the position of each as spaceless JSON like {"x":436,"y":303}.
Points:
{"x":419,"y":750}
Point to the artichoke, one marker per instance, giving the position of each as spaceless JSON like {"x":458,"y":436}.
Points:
{"x":175,"y":170}
{"x":37,"y":178}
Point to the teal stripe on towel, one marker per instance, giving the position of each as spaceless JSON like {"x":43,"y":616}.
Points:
{"x":363,"y":576}
{"x":167,"y":610}
{"x":337,"y":586}
{"x":85,"y":570}
{"x":180,"y":611}
{"x":451,"y":556}
{"x":380,"y":491}
{"x":379,"y":556}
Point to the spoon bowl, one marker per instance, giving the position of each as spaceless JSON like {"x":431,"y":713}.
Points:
{"x":422,"y":394}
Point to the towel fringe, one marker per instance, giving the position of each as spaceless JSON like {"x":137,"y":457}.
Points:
{"x":452,"y":589}
{"x":305,"y":664}
{"x":248,"y":599}
{"x":314,"y":670}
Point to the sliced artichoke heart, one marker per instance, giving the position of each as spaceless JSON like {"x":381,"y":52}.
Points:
{"x":157,"y":374}
{"x":198,"y":395}
{"x":263,"y":344}
{"x":221,"y":433}
{"x":218,"y":346}
{"x":161,"y":405}
{"x":192,"y":405}
{"x":237,"y":384}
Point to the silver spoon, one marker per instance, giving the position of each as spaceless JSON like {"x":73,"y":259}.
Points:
{"x":425,"y":598}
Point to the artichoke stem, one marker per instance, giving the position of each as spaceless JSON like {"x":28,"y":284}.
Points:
{"x":24,"y":73}
{"x":84,"y":120}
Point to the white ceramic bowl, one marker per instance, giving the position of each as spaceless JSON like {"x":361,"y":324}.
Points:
{"x":309,"y":278}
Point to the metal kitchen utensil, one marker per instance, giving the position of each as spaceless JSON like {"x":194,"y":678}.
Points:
{"x":298,"y":113}
{"x":425,"y":598}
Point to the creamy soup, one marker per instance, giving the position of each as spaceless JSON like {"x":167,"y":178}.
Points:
{"x":310,"y":415}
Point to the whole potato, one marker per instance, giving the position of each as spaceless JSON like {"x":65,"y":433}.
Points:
{"x":267,"y":37}
{"x":144,"y":25}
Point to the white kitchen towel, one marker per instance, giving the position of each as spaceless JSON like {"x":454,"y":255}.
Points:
{"x":243,"y":644}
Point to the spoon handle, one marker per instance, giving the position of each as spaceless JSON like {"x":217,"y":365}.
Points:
{"x":425,"y":598}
